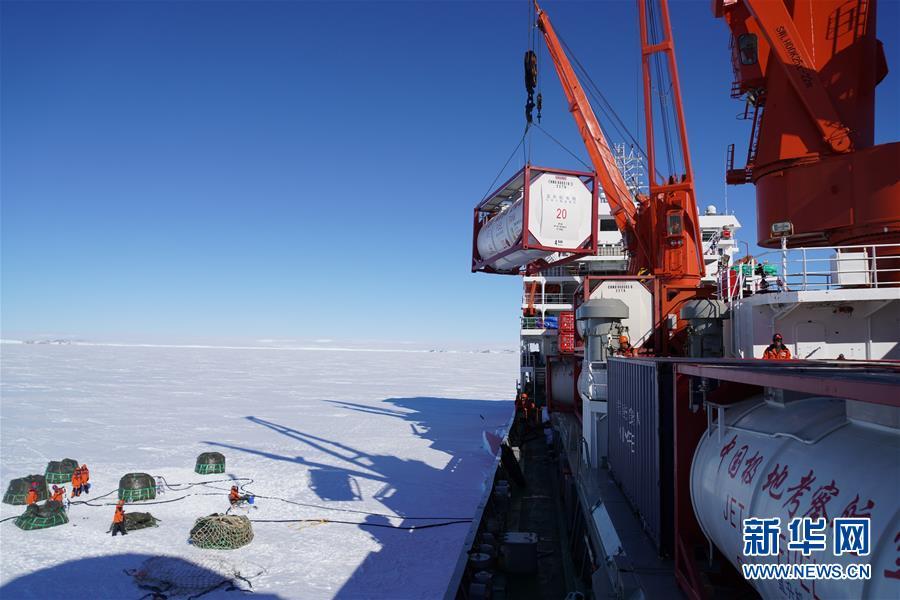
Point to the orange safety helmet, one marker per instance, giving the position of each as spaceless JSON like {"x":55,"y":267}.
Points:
{"x":623,"y":339}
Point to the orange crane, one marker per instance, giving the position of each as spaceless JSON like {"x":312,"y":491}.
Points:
{"x":661,"y":230}
{"x":808,"y":72}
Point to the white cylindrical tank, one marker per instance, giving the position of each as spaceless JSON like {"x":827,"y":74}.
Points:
{"x":562,"y":383}
{"x":801,"y":458}
{"x":560,"y":209}
{"x":500,"y":233}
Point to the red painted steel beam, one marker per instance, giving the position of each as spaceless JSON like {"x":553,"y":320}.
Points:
{"x":831,"y":382}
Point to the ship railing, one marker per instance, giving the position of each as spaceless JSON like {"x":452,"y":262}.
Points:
{"x":570,"y":270}
{"x":532,"y":323}
{"x":617,"y":250}
{"x":576,"y":268}
{"x":812,"y":268}
{"x":549,"y":298}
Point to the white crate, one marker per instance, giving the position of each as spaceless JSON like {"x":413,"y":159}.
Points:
{"x":849,"y":268}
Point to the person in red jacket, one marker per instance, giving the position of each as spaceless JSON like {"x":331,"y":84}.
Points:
{"x":118,"y":522}
{"x":32,"y":496}
{"x":777,"y":350}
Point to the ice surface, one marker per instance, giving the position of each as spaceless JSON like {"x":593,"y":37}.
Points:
{"x":398,"y":433}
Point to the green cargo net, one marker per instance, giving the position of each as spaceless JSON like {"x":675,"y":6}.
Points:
{"x":134,"y":487}
{"x":221,"y":532}
{"x":50,"y":514}
{"x":60,"y":471}
{"x":210,"y":462}
{"x":18,"y":489}
{"x":139,"y":520}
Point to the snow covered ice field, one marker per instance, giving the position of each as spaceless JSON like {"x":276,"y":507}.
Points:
{"x":391,"y":432}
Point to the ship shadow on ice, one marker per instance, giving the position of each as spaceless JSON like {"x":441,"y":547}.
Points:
{"x":109,"y":577}
{"x":410,"y":487}
{"x":334,"y":484}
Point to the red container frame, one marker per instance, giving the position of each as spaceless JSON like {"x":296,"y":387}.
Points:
{"x":489,"y":207}
{"x":566,"y":342}
{"x":567,"y":321}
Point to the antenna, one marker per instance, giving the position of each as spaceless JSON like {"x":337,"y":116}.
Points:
{"x":726,"y":182}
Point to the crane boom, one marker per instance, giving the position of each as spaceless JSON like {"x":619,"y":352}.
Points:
{"x":616,"y":190}
{"x":661,"y":231}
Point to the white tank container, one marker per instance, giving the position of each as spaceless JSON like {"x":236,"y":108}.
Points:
{"x":559,"y":217}
{"x":640,"y":307}
{"x":737,"y":474}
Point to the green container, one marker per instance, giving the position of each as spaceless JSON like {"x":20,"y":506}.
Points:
{"x":134,"y":487}
{"x":18,"y":489}
{"x":60,"y":471}
{"x":49,"y":515}
{"x":210,"y":462}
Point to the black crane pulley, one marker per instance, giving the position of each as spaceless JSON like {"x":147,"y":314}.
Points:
{"x":530,"y":71}
{"x":531,"y":77}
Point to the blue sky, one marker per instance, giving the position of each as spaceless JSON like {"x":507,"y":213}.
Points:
{"x":189,"y":171}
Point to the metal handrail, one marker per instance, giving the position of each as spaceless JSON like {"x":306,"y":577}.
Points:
{"x":551,"y":298}
{"x":531,"y":322}
{"x":801,"y":269}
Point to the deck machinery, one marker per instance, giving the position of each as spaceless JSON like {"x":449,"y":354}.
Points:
{"x":671,"y":441}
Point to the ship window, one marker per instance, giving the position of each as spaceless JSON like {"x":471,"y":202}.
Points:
{"x":608,"y":225}
{"x":708,"y":234}
{"x":674,"y":224}
{"x":748,"y":46}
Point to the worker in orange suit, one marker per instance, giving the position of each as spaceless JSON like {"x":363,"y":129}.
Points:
{"x":76,"y":482}
{"x":625,"y":347}
{"x":118,"y":522}
{"x":777,"y":350}
{"x":85,"y":479}
{"x":527,"y":408}
{"x":59,"y":493}
{"x":32,"y":496}
{"x":235,"y":497}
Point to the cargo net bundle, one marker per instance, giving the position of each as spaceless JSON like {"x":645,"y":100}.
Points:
{"x":170,"y":577}
{"x":134,"y":487}
{"x":139,"y":520}
{"x":18,"y":489}
{"x":221,"y":532}
{"x":60,"y":471}
{"x":210,"y":462}
{"x":37,"y":516}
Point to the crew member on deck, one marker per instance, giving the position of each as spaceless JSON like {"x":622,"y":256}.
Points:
{"x":625,"y":347}
{"x":777,"y":350}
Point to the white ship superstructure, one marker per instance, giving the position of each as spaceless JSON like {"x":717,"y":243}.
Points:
{"x":829,"y":303}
